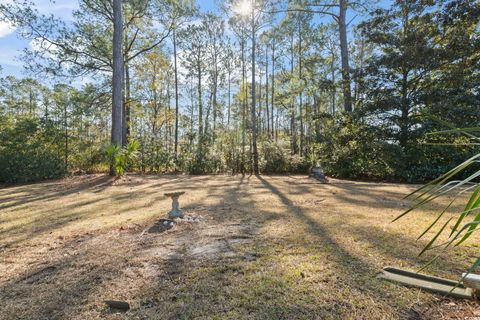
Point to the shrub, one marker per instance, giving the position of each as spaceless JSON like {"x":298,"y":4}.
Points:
{"x":349,"y":148}
{"x":87,"y":156}
{"x":275,"y":158}
{"x":428,"y":161}
{"x":122,"y":159}
{"x":29,"y":152}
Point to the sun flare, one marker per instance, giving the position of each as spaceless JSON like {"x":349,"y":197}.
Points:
{"x":244,"y":7}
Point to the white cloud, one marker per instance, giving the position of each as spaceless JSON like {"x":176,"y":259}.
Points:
{"x":8,"y":57}
{"x":40,"y":45}
{"x":81,"y":81}
{"x":61,"y":9}
{"x":5,"y":29}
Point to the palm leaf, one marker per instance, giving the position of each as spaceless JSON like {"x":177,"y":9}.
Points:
{"x":472,"y":203}
{"x":443,"y":185}
{"x":427,"y":247}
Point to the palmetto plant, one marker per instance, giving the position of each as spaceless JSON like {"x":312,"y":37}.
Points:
{"x":465,"y":222}
{"x":120,"y":159}
{"x":112,"y":153}
{"x":130,"y":153}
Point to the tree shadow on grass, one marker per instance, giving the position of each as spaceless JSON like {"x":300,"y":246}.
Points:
{"x":239,"y":284}
{"x":51,"y":191}
{"x":29,"y":295}
{"x":404,"y":249}
{"x":345,"y":259}
{"x":228,"y":286}
{"x":356,"y":273}
{"x":44,"y":220}
{"x":56,"y":288}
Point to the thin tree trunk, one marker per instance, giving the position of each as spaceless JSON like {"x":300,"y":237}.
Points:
{"x":293,"y":128}
{"x":302,"y":132}
{"x":176,"y":92}
{"x":334,"y":91}
{"x":207,"y":115}
{"x":214,"y":101}
{"x":65,"y":126}
{"x":276,"y":125}
{"x":200,"y":107}
{"x":259,"y":108}
{"x":192,"y":90}
{"x":117,"y":78}
{"x":168,"y":128}
{"x":126,"y":107}
{"x":342,"y":28}
{"x":254,"y":112}
{"x":229,"y":96}
{"x":266,"y":91}
{"x":244,"y":106}
{"x":316,"y":112}
{"x":273,"y":86}
{"x":293,"y":120}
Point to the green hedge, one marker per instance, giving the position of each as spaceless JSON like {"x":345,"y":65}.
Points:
{"x":29,"y":152}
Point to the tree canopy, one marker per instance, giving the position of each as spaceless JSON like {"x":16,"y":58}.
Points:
{"x":251,"y":87}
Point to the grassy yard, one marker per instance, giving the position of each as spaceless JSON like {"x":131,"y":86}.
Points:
{"x":282,"y":247}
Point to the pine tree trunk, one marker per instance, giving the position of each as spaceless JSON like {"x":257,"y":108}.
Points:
{"x":117,"y":78}
{"x":254,"y":112}
{"x":244,"y":107}
{"x":300,"y":75}
{"x":273,"y":86}
{"x":342,"y":26}
{"x":334,"y":91}
{"x":266,"y":91}
{"x":200,"y":108}
{"x":229,"y":95}
{"x":65,"y":127}
{"x":293,"y":128}
{"x":293,"y":111}
{"x":176,"y":92}
{"x":126,"y":107}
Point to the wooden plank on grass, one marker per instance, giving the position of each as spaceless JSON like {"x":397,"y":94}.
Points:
{"x":433,"y":284}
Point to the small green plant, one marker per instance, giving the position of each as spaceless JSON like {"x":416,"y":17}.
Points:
{"x":130,"y":154}
{"x":112,"y":152}
{"x":121,"y":159}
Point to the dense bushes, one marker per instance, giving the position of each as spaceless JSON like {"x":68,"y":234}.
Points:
{"x":427,"y":161}
{"x":276,"y":158}
{"x":87,"y":157}
{"x":346,"y":147}
{"x":223,"y":155}
{"x":351,"y":148}
{"x":28,"y":151}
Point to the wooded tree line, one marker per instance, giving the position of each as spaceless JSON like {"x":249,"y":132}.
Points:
{"x":256,"y":86}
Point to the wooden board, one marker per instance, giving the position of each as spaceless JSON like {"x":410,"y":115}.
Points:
{"x":433,"y":284}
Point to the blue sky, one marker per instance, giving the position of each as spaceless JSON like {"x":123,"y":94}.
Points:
{"x":11,"y":45}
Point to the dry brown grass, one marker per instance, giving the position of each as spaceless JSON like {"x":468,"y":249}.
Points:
{"x":283,"y":247}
